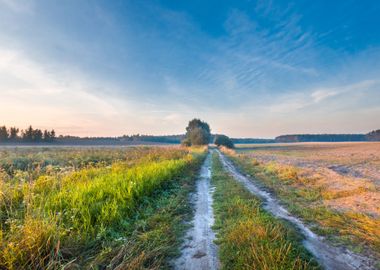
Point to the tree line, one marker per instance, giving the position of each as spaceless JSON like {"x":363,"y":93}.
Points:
{"x":371,"y":136}
{"x":28,"y":135}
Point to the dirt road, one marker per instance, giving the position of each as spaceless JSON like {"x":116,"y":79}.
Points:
{"x":330,"y":257}
{"x":199,"y":251}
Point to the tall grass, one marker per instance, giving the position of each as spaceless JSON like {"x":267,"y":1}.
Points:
{"x":48,"y":221}
{"x":36,"y":161}
{"x":249,"y":237}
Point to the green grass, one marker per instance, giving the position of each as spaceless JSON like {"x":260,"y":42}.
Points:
{"x":304,"y":199}
{"x":129,"y":213}
{"x":249,"y":237}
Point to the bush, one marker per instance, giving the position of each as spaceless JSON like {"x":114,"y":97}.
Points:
{"x":223,"y":140}
{"x":186,"y":142}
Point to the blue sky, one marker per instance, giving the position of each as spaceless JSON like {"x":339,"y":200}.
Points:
{"x":249,"y":68}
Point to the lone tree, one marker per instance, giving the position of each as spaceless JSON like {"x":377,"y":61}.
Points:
{"x":197,"y":133}
{"x":224,"y":141}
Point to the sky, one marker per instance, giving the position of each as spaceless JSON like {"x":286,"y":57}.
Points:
{"x":248,"y":68}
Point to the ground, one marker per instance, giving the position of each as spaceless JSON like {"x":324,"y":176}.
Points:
{"x":349,"y":172}
{"x":333,"y":187}
{"x":155,"y":207}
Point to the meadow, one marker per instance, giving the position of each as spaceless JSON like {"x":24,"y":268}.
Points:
{"x":78,"y":208}
{"x":333,"y":187}
{"x":130,"y":207}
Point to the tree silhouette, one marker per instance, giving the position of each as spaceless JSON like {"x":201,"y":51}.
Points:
{"x":13,"y":133}
{"x":197,"y":133}
{"x":224,"y":141}
{"x":3,"y":134}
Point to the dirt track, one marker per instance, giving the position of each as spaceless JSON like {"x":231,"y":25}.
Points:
{"x":199,"y":251}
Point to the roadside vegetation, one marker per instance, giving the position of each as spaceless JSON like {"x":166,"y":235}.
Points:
{"x":306,"y":199}
{"x":249,"y":237}
{"x":124,"y":212}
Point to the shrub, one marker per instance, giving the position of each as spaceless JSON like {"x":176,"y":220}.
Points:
{"x":223,"y":140}
{"x":186,"y":142}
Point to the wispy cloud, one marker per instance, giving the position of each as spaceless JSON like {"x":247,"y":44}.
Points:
{"x":296,"y":101}
{"x":19,"y":6}
{"x":249,"y":60}
{"x":322,"y":94}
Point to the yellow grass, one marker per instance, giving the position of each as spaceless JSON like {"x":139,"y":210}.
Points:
{"x":313,"y":192}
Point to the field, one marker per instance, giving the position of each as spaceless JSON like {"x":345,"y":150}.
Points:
{"x":80,"y":208}
{"x":172,"y":207}
{"x":335,"y":187}
{"x":349,"y":172}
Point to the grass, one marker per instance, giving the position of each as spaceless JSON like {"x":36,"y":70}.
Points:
{"x":249,"y":237}
{"x":18,"y":164}
{"x":128,"y":214}
{"x":304,"y":198}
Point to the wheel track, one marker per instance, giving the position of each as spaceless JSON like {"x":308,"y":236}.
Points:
{"x":330,"y":257}
{"x":199,"y":251}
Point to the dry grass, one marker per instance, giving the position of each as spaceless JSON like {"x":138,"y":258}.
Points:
{"x":249,"y":237}
{"x":348,"y":173}
{"x":345,"y":207}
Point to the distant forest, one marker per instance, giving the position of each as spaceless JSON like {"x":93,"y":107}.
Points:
{"x":30,"y":135}
{"x":251,"y":140}
{"x":123,"y":140}
{"x":371,"y":136}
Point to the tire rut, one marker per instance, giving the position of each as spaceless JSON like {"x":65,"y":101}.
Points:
{"x":199,"y":251}
{"x":330,"y":257}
